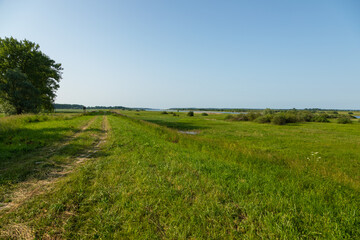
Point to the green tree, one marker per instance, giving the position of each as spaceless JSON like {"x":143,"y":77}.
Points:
{"x":28,"y":77}
{"x":18,"y":91}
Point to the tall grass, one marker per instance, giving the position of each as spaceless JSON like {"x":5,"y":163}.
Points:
{"x":9,"y":123}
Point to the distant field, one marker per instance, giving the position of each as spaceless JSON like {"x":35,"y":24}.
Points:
{"x":160,"y":176}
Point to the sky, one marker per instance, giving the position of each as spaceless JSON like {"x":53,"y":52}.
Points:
{"x":197,"y":53}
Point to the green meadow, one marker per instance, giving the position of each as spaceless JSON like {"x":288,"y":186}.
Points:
{"x":150,"y":175}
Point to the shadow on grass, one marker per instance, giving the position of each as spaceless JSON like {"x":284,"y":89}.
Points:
{"x":34,"y":154}
{"x":15,"y":144}
{"x":183,"y":126}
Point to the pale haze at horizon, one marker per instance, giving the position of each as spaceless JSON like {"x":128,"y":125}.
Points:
{"x":161,"y":54}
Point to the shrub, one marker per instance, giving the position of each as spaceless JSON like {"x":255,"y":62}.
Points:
{"x":164,"y":112}
{"x":251,"y":116}
{"x":344,"y":120}
{"x":279,"y":119}
{"x":237,"y":117}
{"x":241,"y":117}
{"x":333,"y":116}
{"x":291,"y":117}
{"x":264,"y":119}
{"x":190,"y":114}
{"x":305,"y":116}
{"x":321,"y":118}
{"x":268,"y":111}
{"x":204,"y":114}
{"x":7,"y":108}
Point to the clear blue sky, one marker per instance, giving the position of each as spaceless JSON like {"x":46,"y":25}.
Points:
{"x":160,"y":54}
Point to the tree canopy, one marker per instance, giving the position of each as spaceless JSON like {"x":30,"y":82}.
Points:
{"x":28,"y":78}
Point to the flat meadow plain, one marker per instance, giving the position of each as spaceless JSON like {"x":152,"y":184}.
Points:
{"x":160,"y":176}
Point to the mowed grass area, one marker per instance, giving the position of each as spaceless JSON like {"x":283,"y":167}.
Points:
{"x":233,"y":180}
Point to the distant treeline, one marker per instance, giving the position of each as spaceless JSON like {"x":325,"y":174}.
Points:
{"x":68,"y":106}
{"x":107,"y":107}
{"x":117,"y":107}
{"x":78,"y":106}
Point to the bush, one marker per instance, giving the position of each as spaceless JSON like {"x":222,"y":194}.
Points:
{"x":7,"y":108}
{"x":264,"y":119}
{"x":204,"y":114}
{"x":164,"y":112}
{"x":251,"y":116}
{"x":321,"y":118}
{"x":279,"y":119}
{"x":237,"y":117}
{"x":190,"y":114}
{"x":291,"y":117}
{"x":305,"y":116}
{"x":283,"y":117}
{"x":241,"y":117}
{"x":344,"y":120}
{"x":333,"y":116}
{"x":268,"y":111}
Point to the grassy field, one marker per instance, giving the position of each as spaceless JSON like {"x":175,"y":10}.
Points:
{"x":159,"y":176}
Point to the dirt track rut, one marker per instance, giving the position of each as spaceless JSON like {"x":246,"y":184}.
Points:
{"x":28,"y":189}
